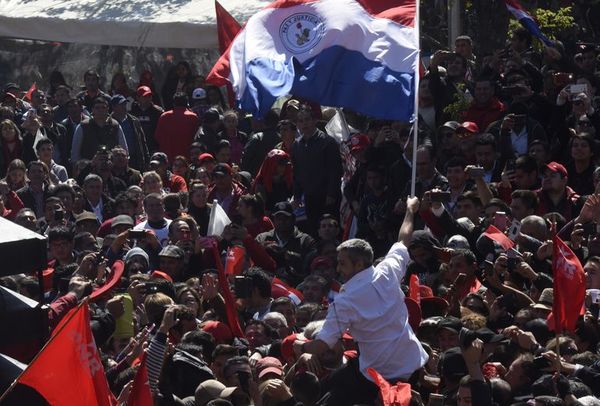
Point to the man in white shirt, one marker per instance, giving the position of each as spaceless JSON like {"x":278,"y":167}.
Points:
{"x":371,"y":306}
{"x":156,"y":221}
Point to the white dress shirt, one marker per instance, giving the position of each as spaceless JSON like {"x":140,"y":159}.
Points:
{"x":371,"y":305}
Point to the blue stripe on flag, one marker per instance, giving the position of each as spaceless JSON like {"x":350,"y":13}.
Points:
{"x":335,"y":77}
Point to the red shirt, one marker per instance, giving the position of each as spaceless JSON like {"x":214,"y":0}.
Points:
{"x":175,"y":184}
{"x":175,"y":131}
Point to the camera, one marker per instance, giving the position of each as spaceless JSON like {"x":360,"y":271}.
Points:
{"x":440,"y":197}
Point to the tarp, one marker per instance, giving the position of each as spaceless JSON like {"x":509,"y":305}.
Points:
{"x":150,"y":23}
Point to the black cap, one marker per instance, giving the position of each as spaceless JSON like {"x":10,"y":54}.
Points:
{"x":452,"y":364}
{"x":450,"y":323}
{"x":284,"y":208}
{"x":222,"y":169}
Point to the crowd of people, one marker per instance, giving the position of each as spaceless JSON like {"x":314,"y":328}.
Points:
{"x":343,"y":273}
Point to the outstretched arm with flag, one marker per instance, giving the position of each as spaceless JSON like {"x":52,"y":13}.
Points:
{"x":527,"y":21}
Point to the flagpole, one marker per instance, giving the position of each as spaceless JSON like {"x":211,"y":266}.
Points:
{"x":413,"y":179}
{"x":53,"y":336}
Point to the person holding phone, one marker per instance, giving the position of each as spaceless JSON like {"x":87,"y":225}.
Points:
{"x":517,"y":130}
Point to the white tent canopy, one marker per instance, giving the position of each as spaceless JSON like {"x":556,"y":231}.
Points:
{"x":150,"y":23}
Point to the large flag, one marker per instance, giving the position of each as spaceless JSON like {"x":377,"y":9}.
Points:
{"x":230,"y":307}
{"x":527,"y":21}
{"x":227,"y":27}
{"x":569,"y":287}
{"x":141,"y":394}
{"x":68,"y":370}
{"x":359,"y":54}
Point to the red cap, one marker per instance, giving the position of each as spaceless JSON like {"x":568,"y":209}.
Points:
{"x":414,"y":313}
{"x":219,"y":330}
{"x":469,"y":126}
{"x":268,"y":365}
{"x":161,"y":274}
{"x":48,"y":278}
{"x":287,"y":347}
{"x":144,"y":91}
{"x":425,"y":291}
{"x":556,"y":167}
{"x":205,"y":157}
{"x":358,"y":142}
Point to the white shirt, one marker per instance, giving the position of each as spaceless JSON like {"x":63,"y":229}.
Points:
{"x":161,"y":233}
{"x":97,"y":210}
{"x":371,"y":305}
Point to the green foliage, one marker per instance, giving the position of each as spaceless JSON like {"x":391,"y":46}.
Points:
{"x":552,"y":23}
{"x":456,"y":109}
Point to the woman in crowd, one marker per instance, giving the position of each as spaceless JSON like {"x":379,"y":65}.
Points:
{"x":12,"y":144}
{"x":152,"y":183}
{"x":252,"y":211}
{"x":274,"y":181}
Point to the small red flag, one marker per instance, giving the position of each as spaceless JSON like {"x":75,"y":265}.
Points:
{"x":140,"y":394}
{"x":29,"y":93}
{"x":396,"y":395}
{"x":279,"y":288}
{"x":232,"y":316}
{"x":68,"y":370}
{"x":234,"y":265}
{"x":498,"y":236}
{"x":414,"y":289}
{"x":569,"y":287}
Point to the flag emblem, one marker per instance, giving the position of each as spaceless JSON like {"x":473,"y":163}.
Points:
{"x":301,"y":32}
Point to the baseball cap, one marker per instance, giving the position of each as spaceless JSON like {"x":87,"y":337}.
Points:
{"x":284,"y":208}
{"x":171,"y":251}
{"x":199,"y":94}
{"x":450,"y":323}
{"x":86,"y":216}
{"x":556,"y":167}
{"x":117,"y":99}
{"x":208,"y":390}
{"x":452,"y":363}
{"x":122,"y":219}
{"x":453,"y":125}
{"x":269,"y":365}
{"x":161,"y":275}
{"x":205,"y":156}
{"x":219,"y":330}
{"x":160,"y":157}
{"x":359,"y":142}
{"x":144,"y":91}
{"x":222,"y":169}
{"x":469,"y":126}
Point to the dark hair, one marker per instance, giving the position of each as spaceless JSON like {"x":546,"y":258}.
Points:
{"x":200,"y":338}
{"x":91,"y":72}
{"x":269,"y":332}
{"x":468,"y":255}
{"x":239,"y":360}
{"x":63,"y":187}
{"x":98,"y":100}
{"x":123,"y":197}
{"x":73,"y":100}
{"x":260,"y":281}
{"x":486,"y":139}
{"x":60,"y":233}
{"x":456,"y":161}
{"x":224,"y":349}
{"x":582,"y":137}
{"x":180,"y":99}
{"x":472,"y":196}
{"x":282,"y":301}
{"x":526,"y":163}
{"x":286,"y":123}
{"x":522,"y":34}
{"x":271,"y":118}
{"x":52,"y":199}
{"x":498,"y":203}
{"x":256,"y":204}
{"x":43,"y":141}
{"x":222,"y":144}
{"x":528,"y":197}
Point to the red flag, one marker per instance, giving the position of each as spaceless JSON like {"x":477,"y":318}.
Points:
{"x":227,"y":29}
{"x":498,"y":236}
{"x":140,"y":394}
{"x":414,"y":290}
{"x":232,"y":317}
{"x":569,"y":287}
{"x":234,"y":265}
{"x":396,"y":395}
{"x":29,"y":93}
{"x":279,"y":288}
{"x":68,"y":370}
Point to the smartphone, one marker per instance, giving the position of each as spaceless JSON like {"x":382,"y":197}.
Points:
{"x":476,"y":172}
{"x":501,"y":221}
{"x":242,"y":287}
{"x":440,"y":197}
{"x":151,"y":287}
{"x":541,"y":362}
{"x":137,"y":234}
{"x":510,"y":165}
{"x":514,"y":229}
{"x":436,"y":399}
{"x":59,"y":215}
{"x":576,"y":89}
